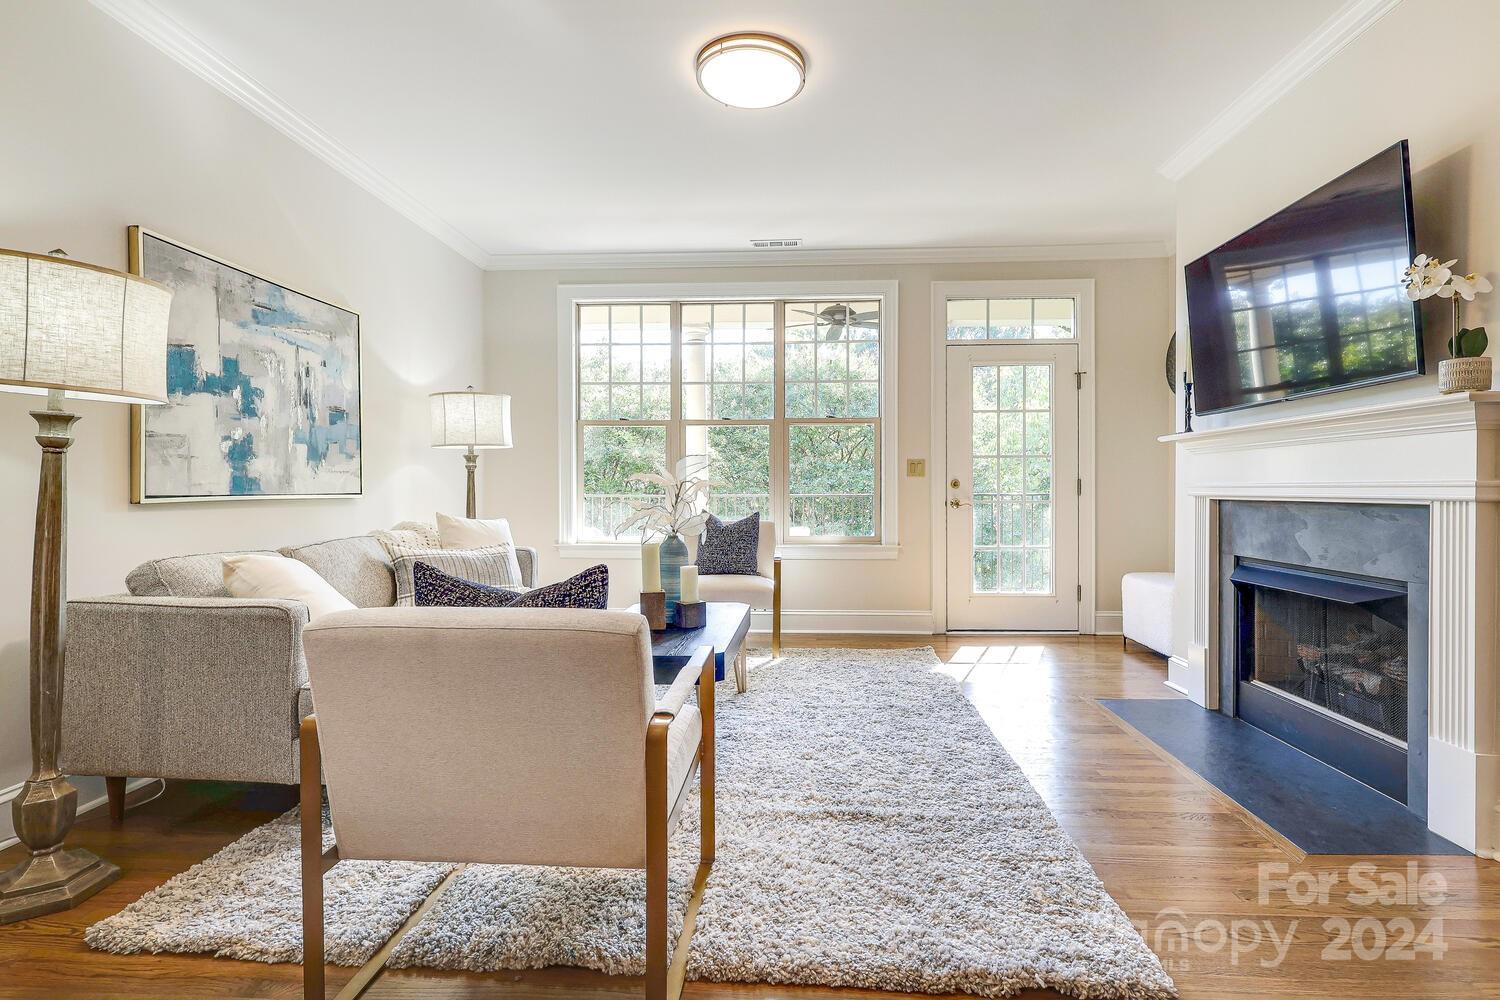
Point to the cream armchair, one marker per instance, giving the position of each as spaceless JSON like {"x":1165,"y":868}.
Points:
{"x":497,"y":736}
{"x":762,"y":591}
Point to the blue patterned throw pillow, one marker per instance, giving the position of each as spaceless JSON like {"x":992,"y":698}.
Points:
{"x":434,"y":588}
{"x":730,"y":548}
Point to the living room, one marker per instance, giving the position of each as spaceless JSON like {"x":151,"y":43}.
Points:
{"x":881,"y":382}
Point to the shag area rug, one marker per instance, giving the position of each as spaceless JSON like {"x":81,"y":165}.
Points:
{"x":872,"y":833}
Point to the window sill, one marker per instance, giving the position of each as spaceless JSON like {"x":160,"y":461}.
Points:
{"x":789,"y":553}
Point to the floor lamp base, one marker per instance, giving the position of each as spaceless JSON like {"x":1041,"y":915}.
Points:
{"x":53,"y":878}
{"x":47,"y":883}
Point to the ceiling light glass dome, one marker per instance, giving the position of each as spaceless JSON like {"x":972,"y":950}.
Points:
{"x":751,"y":70}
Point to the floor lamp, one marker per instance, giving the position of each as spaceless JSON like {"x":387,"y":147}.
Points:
{"x":86,"y":332}
{"x":470,"y":420}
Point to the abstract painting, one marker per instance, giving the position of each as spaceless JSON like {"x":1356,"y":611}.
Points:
{"x":262,"y":386}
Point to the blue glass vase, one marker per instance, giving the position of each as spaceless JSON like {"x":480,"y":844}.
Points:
{"x":674,"y":556}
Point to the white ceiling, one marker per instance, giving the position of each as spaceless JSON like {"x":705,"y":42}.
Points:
{"x":542,"y":126}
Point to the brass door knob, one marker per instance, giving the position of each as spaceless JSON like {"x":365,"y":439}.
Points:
{"x":955,"y":502}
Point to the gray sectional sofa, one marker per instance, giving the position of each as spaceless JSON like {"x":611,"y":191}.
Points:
{"x":179,"y":680}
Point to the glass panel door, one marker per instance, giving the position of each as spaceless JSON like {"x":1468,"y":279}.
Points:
{"x":1012,"y":475}
{"x":1012,"y":499}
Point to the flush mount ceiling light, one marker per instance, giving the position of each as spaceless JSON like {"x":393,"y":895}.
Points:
{"x":750,"y":69}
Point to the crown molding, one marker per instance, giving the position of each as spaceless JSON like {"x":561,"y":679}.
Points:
{"x":149,"y":22}
{"x":781,"y":258}
{"x":1347,"y":24}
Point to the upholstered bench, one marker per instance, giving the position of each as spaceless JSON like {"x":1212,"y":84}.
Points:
{"x":1146,"y":599}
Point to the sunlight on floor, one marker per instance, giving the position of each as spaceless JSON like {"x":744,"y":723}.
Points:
{"x":973,"y":662}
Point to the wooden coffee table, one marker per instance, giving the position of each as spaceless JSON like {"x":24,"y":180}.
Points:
{"x":725,"y":626}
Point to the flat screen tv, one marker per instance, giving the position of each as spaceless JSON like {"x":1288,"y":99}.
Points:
{"x":1310,"y":300}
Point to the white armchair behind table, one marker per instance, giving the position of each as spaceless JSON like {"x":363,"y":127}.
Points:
{"x":525,"y":738}
{"x":762,"y":591}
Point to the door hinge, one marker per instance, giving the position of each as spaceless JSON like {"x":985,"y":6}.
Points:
{"x":1080,"y":487}
{"x":1080,"y":593}
{"x":1078,"y":381}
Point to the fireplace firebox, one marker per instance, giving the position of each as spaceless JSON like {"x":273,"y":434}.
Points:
{"x":1323,"y":665}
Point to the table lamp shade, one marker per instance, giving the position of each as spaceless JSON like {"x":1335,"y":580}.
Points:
{"x":470,"y":420}
{"x":90,"y":331}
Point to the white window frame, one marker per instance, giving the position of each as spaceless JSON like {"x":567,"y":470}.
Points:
{"x":570,"y":297}
{"x":1081,"y":290}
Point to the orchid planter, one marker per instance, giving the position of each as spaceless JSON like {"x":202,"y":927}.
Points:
{"x":1468,"y":370}
{"x":1465,"y":375}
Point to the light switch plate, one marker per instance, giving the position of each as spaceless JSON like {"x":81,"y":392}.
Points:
{"x":916,"y":466}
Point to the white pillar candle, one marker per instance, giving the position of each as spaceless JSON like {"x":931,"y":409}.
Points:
{"x":690,"y":585}
{"x":650,"y":567}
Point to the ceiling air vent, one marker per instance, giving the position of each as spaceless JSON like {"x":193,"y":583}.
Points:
{"x":775,"y":244}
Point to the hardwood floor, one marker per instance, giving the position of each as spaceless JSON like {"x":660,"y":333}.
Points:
{"x":1183,"y":862}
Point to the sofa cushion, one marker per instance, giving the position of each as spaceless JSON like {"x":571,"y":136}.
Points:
{"x":356,"y":567}
{"x":409,"y":535}
{"x":197,"y":575}
{"x":494,"y":567}
{"x":588,"y":590}
{"x":472,"y":533}
{"x":276,"y":577}
{"x":756,"y":591}
{"x":432,"y":588}
{"x":585,"y":591}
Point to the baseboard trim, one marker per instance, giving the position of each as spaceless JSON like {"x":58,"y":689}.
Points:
{"x":8,"y":838}
{"x":1109,"y":623}
{"x":1183,"y":676}
{"x":849,"y":622}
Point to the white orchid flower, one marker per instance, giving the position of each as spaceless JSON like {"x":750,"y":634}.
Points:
{"x":1466,"y":286}
{"x":1427,"y":276}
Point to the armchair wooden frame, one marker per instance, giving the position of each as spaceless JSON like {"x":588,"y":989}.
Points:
{"x":664,"y":975}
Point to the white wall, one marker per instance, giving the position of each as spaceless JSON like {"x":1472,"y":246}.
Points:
{"x":102,"y":131}
{"x":1434,"y":83}
{"x":1133,"y":313}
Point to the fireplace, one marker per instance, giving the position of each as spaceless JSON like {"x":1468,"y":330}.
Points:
{"x":1323,"y":665}
{"x":1323,"y":634}
{"x":1389,"y":484}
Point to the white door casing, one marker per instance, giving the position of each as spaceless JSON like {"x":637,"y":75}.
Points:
{"x":1011,"y":498}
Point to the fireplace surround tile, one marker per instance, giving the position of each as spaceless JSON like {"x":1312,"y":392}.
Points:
{"x":1380,"y":541}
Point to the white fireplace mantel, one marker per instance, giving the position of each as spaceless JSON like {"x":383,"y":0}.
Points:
{"x":1441,"y":452}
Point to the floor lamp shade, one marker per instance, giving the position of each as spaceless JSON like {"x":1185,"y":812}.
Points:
{"x":66,"y":329}
{"x":470,"y":420}
{"x":90,"y":331}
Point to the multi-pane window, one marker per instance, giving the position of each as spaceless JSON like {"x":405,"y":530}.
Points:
{"x":1012,"y":475}
{"x":782,"y":396}
{"x":1012,"y":319}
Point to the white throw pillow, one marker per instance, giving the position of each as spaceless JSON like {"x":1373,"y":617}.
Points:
{"x":408,"y":535}
{"x":252,"y":575}
{"x":494,"y":566}
{"x":471,"y":533}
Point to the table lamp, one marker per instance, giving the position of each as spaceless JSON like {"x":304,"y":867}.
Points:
{"x":67,"y":329}
{"x":470,"y":420}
